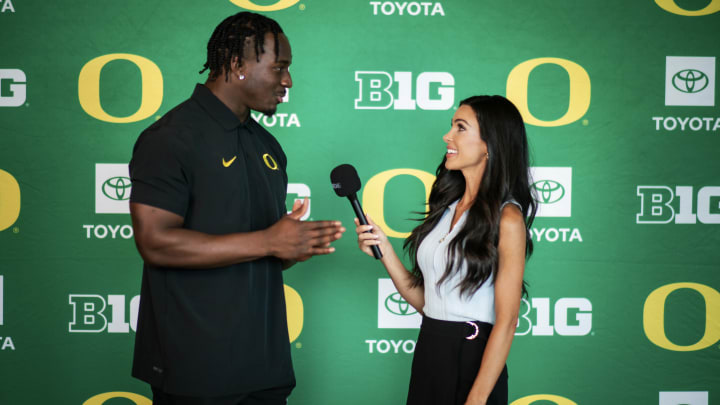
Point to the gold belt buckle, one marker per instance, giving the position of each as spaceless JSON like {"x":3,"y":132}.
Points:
{"x":475,"y":333}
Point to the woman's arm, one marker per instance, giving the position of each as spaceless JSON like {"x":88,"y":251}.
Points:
{"x":400,"y":276}
{"x":508,"y":294}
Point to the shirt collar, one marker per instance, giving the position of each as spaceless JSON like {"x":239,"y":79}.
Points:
{"x":215,"y":108}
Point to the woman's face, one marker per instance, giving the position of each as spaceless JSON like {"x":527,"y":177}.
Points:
{"x":466,"y":151}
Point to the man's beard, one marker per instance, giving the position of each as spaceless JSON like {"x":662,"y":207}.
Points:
{"x":269,"y":113}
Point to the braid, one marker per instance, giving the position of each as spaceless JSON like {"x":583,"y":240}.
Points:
{"x":228,"y":41}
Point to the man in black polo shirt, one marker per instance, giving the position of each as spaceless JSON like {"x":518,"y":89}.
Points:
{"x":208,"y":209}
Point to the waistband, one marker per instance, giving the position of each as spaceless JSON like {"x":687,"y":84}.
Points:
{"x":468,"y":330}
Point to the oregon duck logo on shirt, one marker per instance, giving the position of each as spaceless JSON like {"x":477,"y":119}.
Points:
{"x":270,"y":162}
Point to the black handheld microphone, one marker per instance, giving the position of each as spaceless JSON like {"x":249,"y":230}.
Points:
{"x":346,"y":183}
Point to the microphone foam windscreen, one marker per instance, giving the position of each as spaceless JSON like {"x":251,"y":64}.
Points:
{"x":345,"y":180}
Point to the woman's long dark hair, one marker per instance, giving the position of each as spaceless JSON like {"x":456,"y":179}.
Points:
{"x":506,"y":177}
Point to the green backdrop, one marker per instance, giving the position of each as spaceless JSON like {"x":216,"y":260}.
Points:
{"x":620,"y":103}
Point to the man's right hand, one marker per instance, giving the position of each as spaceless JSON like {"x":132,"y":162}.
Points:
{"x":163,"y":242}
{"x":293,"y":239}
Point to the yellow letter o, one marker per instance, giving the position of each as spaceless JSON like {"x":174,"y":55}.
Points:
{"x":280,"y":5}
{"x":374,"y":196}
{"x":101,"y":398}
{"x":9,"y":200}
{"x":270,"y":162}
{"x":517,"y":91}
{"x":543,"y":397}
{"x":654,"y":317}
{"x":294,"y":308}
{"x":89,"y":88}
{"x":671,"y":6}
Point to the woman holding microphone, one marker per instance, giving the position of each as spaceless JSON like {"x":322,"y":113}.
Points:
{"x":468,"y":257}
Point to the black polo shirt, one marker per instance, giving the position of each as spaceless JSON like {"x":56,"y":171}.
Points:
{"x":220,"y":331}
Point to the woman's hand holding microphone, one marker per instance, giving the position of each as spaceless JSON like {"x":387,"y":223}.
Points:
{"x":372,"y":235}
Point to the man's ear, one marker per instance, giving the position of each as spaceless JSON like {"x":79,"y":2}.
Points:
{"x":235,"y":66}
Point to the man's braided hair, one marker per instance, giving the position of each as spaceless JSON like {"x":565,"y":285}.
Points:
{"x":229,"y":38}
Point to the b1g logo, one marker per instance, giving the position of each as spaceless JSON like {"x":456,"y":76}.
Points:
{"x":690,"y":81}
{"x":659,"y":205}
{"x":683,"y":398}
{"x":298,"y":192}
{"x":572,"y":317}
{"x":671,"y":6}
{"x":249,"y":5}
{"x":112,"y":188}
{"x":654,"y":316}
{"x":9,"y":200}
{"x":393,"y":311}
{"x":552,"y":190}
{"x":377,"y":91}
{"x":17,"y":89}
{"x":90,"y":315}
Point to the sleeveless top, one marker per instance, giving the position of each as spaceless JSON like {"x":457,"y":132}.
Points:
{"x":444,"y":302}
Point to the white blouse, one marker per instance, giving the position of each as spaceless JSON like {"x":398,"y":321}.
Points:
{"x":444,"y":302}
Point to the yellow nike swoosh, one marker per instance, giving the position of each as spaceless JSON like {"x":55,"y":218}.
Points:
{"x":229,"y":162}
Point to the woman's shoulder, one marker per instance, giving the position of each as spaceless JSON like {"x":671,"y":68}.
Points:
{"x":511,"y":217}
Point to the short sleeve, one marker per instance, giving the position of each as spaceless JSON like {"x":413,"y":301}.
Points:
{"x":511,"y":201}
{"x":158,"y":170}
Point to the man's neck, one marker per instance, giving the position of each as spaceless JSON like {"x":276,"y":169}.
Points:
{"x":224,"y":93}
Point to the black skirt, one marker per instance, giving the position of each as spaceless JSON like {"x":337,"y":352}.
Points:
{"x":446,"y":363}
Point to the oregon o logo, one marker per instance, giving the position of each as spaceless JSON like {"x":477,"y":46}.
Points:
{"x":558,"y":400}
{"x":280,"y":5}
{"x":548,"y":191}
{"x":397,"y":305}
{"x":295,"y":316}
{"x":89,"y":88}
{"x":654,"y":317}
{"x":690,"y":81}
{"x":9,"y":200}
{"x":117,"y":188}
{"x":671,"y":6}
{"x":102,"y":398}
{"x":270,"y":162}
{"x":517,"y":90}
{"x":374,"y":196}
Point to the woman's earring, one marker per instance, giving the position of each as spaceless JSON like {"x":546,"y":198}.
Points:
{"x":241,"y":76}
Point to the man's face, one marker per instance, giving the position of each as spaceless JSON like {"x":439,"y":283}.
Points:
{"x":266,"y":81}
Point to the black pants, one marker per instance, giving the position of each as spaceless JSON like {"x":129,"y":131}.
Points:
{"x":272,"y":396}
{"x":446,"y":364}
